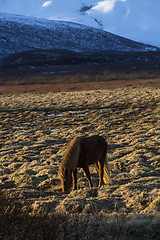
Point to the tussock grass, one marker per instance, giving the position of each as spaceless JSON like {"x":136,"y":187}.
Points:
{"x":35,"y":130}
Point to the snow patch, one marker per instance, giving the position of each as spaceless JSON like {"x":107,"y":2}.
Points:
{"x":47,"y":4}
{"x":106,"y":6}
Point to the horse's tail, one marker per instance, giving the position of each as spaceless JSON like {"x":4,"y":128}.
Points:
{"x":106,"y":175}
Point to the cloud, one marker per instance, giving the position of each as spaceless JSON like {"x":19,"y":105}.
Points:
{"x":47,"y":4}
{"x":106,"y":6}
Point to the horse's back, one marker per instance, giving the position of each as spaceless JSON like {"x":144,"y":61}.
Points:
{"x":88,"y":140}
{"x":94,"y":140}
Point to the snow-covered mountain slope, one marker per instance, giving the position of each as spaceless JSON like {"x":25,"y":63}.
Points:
{"x":19,"y":33}
{"x":138,"y":20}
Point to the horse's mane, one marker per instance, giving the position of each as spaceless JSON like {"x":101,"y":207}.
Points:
{"x":70,"y":159}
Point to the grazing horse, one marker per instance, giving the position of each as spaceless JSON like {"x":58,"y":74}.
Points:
{"x":80,"y":153}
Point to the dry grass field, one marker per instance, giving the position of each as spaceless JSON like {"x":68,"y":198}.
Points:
{"x":35,"y":129}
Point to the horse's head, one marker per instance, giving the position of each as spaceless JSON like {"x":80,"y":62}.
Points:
{"x":65,"y":176}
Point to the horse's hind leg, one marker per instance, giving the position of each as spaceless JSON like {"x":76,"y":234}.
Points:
{"x":88,"y":175}
{"x":100,"y":168}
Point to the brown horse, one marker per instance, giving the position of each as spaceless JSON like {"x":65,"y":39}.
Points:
{"x":80,"y":153}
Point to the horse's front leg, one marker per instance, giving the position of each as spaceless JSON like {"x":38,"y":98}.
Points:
{"x":87,"y":173}
{"x":75,"y":179}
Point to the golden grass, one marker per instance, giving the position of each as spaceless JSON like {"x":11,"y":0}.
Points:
{"x":35,"y":130}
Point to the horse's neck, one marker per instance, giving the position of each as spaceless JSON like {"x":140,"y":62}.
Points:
{"x":71,"y":157}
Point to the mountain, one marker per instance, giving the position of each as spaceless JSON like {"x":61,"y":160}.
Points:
{"x":32,"y":47}
{"x":138,"y":20}
{"x":21,"y":33}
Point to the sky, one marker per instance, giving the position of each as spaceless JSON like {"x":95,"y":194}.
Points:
{"x":135,"y":19}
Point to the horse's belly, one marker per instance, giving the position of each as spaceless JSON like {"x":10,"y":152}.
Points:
{"x":93,"y":160}
{"x":90,"y":158}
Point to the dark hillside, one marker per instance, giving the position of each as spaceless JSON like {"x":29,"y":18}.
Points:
{"x":59,"y":66}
